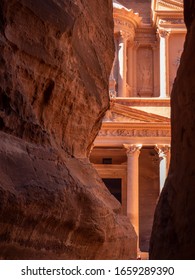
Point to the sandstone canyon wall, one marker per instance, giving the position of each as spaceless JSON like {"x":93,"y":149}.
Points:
{"x":55,"y":60}
{"x":173,"y":235}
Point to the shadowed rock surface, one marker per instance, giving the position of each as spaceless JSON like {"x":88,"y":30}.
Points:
{"x":55,"y":60}
{"x":173,"y":235}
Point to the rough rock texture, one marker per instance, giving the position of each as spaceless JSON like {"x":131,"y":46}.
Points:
{"x":55,"y":60}
{"x":54,"y":68}
{"x":173,"y":235}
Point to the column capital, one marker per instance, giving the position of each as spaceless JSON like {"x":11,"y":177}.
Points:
{"x":125,"y":36}
{"x":163,"y":33}
{"x":132,"y":149}
{"x":122,"y":36}
{"x":162,"y":150}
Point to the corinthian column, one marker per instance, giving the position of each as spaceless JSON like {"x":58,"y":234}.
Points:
{"x":133,"y":152}
{"x":164,"y":157}
{"x":122,"y":57}
{"x":164,"y":80}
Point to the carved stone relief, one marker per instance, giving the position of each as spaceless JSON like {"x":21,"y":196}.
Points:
{"x":145,"y":71}
{"x":135,"y":133}
{"x":122,"y":23}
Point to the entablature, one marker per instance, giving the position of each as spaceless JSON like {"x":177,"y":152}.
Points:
{"x":112,"y":134}
{"x":168,"y":13}
{"x":145,"y":34}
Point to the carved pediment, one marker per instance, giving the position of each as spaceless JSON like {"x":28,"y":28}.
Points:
{"x":115,"y":117}
{"x":122,"y":113}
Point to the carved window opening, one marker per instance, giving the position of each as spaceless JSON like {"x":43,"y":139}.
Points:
{"x":107,"y":160}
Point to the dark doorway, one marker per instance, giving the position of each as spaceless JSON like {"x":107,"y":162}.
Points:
{"x":114,"y":186}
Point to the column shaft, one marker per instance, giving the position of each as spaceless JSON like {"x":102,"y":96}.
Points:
{"x":122,"y":66}
{"x":163,"y":63}
{"x":133,"y":184}
{"x":163,"y":171}
{"x":164,"y":157}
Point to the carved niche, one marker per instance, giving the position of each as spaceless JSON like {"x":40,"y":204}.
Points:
{"x":145,"y":73}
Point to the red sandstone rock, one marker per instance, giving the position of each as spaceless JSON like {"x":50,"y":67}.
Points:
{"x":173,"y":235}
{"x":55,"y":60}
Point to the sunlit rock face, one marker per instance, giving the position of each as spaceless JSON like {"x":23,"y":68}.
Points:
{"x":55,"y":60}
{"x":173,"y":235}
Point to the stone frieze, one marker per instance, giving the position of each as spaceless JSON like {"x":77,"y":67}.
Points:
{"x":135,"y":133}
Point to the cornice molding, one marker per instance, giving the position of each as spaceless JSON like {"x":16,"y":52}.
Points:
{"x":134,"y":101}
{"x":177,"y":5}
{"x":166,"y":8}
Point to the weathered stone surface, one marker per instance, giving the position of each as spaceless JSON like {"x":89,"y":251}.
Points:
{"x":55,"y":60}
{"x":57,"y":208}
{"x":59,"y":54}
{"x":173,"y":235}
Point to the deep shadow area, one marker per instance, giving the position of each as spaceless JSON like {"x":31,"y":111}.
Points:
{"x":173,"y":234}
